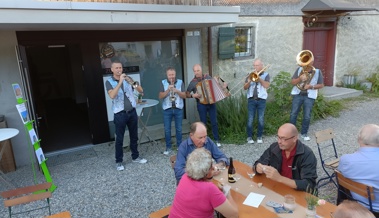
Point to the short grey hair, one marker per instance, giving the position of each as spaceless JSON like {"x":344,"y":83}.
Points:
{"x":198,"y":163}
{"x":369,"y":135}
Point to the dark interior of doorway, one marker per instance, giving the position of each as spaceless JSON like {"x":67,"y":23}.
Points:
{"x":59,"y":96}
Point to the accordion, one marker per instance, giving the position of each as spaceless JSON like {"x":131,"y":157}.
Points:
{"x":211,"y":91}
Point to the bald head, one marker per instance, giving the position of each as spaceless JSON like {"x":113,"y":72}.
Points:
{"x":369,"y":135}
{"x":289,"y":128}
{"x":198,"y":134}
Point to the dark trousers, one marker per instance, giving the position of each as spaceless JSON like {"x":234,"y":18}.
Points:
{"x":203,"y":109}
{"x":121,"y":120}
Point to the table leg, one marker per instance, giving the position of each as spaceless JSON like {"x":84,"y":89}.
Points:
{"x":144,"y":128}
{"x":2,"y":175}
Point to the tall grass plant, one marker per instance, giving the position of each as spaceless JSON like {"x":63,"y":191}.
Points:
{"x":232,"y":112}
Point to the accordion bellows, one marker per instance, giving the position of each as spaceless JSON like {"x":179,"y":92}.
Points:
{"x":210,"y":91}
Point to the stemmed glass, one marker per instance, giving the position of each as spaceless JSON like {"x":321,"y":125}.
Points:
{"x":236,"y":176}
{"x":251,"y":173}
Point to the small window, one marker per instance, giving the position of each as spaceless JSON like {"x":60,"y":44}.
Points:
{"x":244,"y":42}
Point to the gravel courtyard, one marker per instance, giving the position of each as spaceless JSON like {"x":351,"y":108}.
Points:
{"x":89,"y":185}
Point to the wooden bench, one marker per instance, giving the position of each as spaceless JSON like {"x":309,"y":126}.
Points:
{"x":27,"y":195}
{"x":162,"y":213}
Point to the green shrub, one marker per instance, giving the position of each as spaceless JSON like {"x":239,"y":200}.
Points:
{"x":374,"y":79}
{"x":232,"y":112}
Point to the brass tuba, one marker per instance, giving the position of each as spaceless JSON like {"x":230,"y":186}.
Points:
{"x":305,"y":60}
{"x":254,"y":76}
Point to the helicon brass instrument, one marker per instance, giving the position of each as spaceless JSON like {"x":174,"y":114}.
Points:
{"x":172,"y":94}
{"x":305,"y":60}
{"x":130,"y":80}
{"x":254,"y":76}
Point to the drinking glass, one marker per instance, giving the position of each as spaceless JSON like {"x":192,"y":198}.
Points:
{"x":289,"y":202}
{"x":251,"y":173}
{"x":221,"y":165}
{"x":236,"y":176}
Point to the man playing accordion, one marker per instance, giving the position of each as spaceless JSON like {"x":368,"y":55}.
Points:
{"x":203,"y":109}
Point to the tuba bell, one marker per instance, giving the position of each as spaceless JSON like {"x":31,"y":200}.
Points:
{"x":305,"y":60}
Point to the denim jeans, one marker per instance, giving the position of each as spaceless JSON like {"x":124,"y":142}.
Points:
{"x":307,"y":103}
{"x":203,"y":109}
{"x":168,"y":114}
{"x":121,"y":120}
{"x":253,"y":107}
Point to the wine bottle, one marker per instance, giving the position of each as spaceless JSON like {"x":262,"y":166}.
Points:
{"x":231,"y":172}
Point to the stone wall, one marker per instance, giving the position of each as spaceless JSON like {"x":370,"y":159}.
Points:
{"x":278,"y":40}
{"x":357,"y":49}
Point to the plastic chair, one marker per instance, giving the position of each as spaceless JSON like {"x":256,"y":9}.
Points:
{"x":328,"y":155}
{"x":346,"y":186}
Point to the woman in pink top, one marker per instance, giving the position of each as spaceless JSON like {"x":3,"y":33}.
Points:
{"x":196,"y":195}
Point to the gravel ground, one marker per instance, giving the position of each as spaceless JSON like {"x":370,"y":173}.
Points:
{"x":91,"y":186}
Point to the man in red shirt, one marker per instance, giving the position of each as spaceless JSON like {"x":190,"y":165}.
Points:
{"x":289,"y":161}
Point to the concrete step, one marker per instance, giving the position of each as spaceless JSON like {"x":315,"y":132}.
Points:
{"x":335,"y":93}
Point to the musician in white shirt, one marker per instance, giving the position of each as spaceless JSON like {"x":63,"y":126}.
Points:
{"x":203,"y":109}
{"x":256,"y":95}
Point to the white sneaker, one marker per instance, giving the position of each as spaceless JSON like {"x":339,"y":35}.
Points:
{"x":139,"y":160}
{"x":305,"y":137}
{"x":250,"y":140}
{"x":167,"y":152}
{"x":218,"y":144}
{"x":260,"y":141}
{"x":119,"y":167}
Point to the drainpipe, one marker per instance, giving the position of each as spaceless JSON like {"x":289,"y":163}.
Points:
{"x":210,"y":51}
{"x":210,"y":63}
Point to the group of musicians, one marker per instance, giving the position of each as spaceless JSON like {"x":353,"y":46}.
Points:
{"x":306,"y":80}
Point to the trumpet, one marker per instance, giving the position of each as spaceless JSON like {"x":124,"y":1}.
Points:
{"x":254,"y":76}
{"x":131,"y":82}
{"x":172,"y":94}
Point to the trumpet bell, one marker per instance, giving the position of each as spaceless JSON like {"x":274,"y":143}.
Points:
{"x":172,"y":98}
{"x":304,"y":58}
{"x":254,"y":77}
{"x":135,"y":84}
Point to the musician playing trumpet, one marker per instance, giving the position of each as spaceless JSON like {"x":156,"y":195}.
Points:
{"x":256,"y":95}
{"x":306,"y":82}
{"x":172,"y":93}
{"x":124,"y":108}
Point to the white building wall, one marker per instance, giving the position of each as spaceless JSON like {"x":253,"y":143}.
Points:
{"x":278,"y":40}
{"x":357,"y":48}
{"x":9,"y":73}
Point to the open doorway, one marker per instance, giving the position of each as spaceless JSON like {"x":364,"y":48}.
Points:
{"x":60,"y":97}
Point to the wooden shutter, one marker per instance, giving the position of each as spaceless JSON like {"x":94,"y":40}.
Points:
{"x":226,"y":42}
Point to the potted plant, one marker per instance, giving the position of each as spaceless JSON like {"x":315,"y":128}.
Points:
{"x":312,"y":202}
{"x":351,"y":77}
